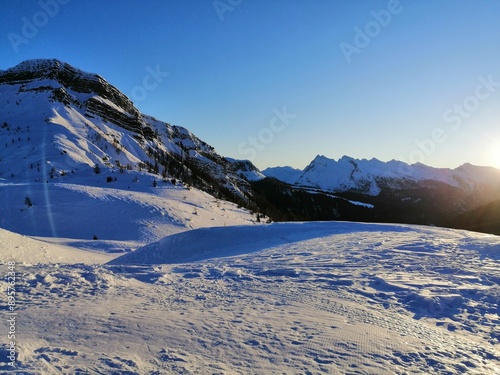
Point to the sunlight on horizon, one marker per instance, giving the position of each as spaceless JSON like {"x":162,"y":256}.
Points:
{"x":493,"y":154}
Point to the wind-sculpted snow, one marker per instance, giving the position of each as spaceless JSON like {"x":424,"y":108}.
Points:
{"x":15,"y":247}
{"x":216,"y":242}
{"x":293,"y":298}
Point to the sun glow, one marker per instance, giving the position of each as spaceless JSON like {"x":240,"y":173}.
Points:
{"x":494,"y":154}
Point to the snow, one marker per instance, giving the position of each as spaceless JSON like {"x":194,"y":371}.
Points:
{"x":212,"y":242}
{"x":363,"y":175}
{"x":43,"y":136}
{"x":294,"y":298}
{"x":25,"y":250}
{"x":127,"y":273}
{"x":358,"y":203}
{"x":124,"y":210}
{"x":42,"y":66}
{"x":285,"y":174}
{"x":246,"y":169}
{"x":48,"y":154}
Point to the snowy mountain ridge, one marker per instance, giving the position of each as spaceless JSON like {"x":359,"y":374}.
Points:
{"x":71,"y":138}
{"x":368,"y":176}
{"x":94,"y":123}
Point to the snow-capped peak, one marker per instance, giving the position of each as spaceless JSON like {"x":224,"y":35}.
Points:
{"x":68,"y":84}
{"x":366,"y":176}
{"x":46,"y":66}
{"x":58,"y":119}
{"x":286,"y":174}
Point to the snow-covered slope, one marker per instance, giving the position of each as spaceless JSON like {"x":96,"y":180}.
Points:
{"x":213,"y":242}
{"x":129,"y":209}
{"x":56,"y":117}
{"x":246,"y":169}
{"x":285,"y":174}
{"x":297,"y":298}
{"x":28,"y":251}
{"x":369,"y":176}
{"x":78,"y":160}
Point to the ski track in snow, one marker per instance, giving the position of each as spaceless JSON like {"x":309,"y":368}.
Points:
{"x":375,"y":299}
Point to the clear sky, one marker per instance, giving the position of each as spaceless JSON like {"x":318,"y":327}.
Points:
{"x":282,"y":81}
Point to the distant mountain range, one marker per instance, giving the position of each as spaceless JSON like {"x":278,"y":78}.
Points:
{"x":370,"y":177}
{"x":405,"y":193}
{"x":59,"y":124}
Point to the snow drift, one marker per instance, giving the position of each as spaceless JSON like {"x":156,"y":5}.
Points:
{"x":295,"y":298}
{"x":216,"y":242}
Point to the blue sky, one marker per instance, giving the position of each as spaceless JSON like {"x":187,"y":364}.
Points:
{"x":282,"y":81}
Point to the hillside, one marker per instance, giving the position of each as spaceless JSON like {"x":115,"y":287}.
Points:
{"x":398,"y":192}
{"x":485,"y":218}
{"x":78,"y":160}
{"x":27,"y":251}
